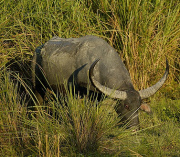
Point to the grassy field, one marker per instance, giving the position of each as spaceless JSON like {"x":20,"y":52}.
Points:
{"x":144,"y":33}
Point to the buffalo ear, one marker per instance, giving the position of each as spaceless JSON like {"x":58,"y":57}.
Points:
{"x":146,"y":108}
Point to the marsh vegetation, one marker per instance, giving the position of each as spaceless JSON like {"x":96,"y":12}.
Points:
{"x":144,"y":33}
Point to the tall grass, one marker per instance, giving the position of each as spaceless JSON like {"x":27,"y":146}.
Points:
{"x":144,"y":33}
{"x":71,"y":126}
{"x":61,"y":126}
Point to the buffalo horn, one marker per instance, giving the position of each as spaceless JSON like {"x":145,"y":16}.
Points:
{"x":116,"y":94}
{"x":145,"y":93}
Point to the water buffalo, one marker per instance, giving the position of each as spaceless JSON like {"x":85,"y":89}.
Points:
{"x":89,"y":62}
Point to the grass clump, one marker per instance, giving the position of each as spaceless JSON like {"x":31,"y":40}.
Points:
{"x":63,"y":125}
{"x":70,"y":126}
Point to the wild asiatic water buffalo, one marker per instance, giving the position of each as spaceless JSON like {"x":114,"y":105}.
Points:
{"x":78,"y":60}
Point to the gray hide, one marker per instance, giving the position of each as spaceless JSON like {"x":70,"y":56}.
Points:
{"x":71,"y":59}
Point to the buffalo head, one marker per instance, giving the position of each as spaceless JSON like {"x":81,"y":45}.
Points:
{"x":129,"y":102}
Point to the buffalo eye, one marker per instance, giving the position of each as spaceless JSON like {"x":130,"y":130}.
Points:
{"x":126,"y":106}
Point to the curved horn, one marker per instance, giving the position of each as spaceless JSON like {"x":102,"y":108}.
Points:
{"x":110,"y":92}
{"x":145,"y":93}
